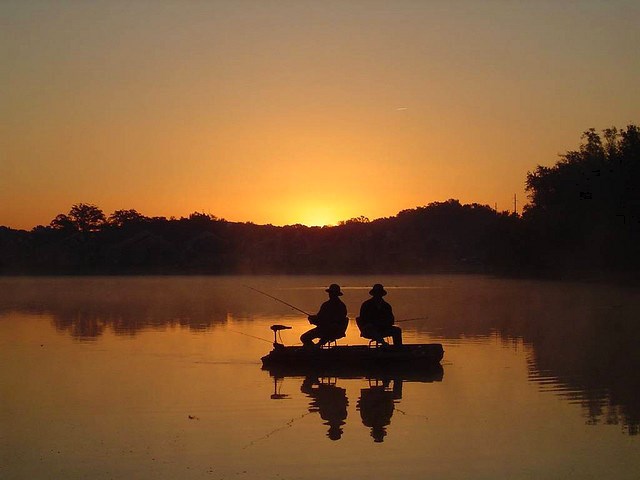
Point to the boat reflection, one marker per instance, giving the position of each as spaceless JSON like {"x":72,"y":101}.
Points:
{"x":376,"y":403}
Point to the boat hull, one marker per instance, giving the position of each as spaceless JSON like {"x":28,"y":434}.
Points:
{"x":361,"y":356}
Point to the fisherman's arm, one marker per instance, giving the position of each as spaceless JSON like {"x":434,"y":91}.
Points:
{"x":364,"y":313}
{"x":313,"y":319}
{"x":321,"y":316}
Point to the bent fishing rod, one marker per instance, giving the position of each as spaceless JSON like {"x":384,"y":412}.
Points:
{"x":278,"y":300}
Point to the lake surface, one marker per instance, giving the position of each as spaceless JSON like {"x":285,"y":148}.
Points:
{"x":160,"y":378}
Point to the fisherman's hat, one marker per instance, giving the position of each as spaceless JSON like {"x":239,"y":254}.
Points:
{"x":377,"y":290}
{"x":334,"y":288}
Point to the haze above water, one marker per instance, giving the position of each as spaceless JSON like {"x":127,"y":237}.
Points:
{"x":160,"y":377}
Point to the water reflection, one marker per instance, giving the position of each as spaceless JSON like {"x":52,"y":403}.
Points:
{"x":376,"y":405}
{"x":583,"y":339}
{"x":86,"y":307}
{"x":328,"y":400}
{"x":376,"y":402}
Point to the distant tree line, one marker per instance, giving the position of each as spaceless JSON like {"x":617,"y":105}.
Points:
{"x":583,"y":216}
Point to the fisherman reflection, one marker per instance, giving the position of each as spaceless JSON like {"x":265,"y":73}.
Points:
{"x":376,"y":405}
{"x":330,"y":401}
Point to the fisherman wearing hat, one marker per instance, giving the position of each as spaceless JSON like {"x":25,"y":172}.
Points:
{"x":376,"y":318}
{"x":331,"y":320}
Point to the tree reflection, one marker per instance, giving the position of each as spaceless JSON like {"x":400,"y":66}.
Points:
{"x":583,"y":338}
{"x":596,"y":362}
{"x":82,"y":325}
{"x":86,"y":308}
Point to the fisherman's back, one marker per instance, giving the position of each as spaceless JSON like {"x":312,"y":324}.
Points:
{"x":376,"y":311}
{"x":332,"y":312}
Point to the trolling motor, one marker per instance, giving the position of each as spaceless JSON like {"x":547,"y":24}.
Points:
{"x":276,"y":329}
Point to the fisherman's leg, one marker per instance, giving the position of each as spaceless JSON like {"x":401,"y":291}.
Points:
{"x":308,"y":337}
{"x":332,"y":333}
{"x":396,"y":334}
{"x":376,"y":333}
{"x":372,"y":333}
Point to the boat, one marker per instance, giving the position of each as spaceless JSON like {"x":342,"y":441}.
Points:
{"x":356,"y":356}
{"x":426,"y":353}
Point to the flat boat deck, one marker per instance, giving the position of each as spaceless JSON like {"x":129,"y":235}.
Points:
{"x":416,"y":354}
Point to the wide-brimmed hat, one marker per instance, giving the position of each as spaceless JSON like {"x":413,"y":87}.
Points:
{"x":334,"y":288}
{"x":377,"y":290}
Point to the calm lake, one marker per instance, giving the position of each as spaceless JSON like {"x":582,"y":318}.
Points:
{"x":160,"y":378}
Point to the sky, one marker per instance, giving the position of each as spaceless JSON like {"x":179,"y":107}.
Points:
{"x":311,"y":112}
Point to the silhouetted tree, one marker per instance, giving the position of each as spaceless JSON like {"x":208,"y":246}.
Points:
{"x":120,"y":218}
{"x":62,"y":222}
{"x":202,"y":218}
{"x":87,"y":217}
{"x":585,"y":210}
{"x":360,"y":219}
{"x":82,"y":217}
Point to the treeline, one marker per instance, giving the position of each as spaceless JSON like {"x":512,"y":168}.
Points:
{"x":583,"y":216}
{"x":439,"y":237}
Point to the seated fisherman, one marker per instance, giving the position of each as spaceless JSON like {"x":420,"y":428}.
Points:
{"x":376,"y":318}
{"x":331,"y":320}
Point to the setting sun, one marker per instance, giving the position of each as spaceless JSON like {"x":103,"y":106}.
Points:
{"x":318,"y":216}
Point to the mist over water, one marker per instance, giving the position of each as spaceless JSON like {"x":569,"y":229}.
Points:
{"x":160,"y":377}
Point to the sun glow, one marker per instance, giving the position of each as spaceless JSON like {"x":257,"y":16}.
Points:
{"x":318,"y":216}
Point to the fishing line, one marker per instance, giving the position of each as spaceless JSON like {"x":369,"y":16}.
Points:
{"x":425,"y":417}
{"x":289,"y":424}
{"x":248,"y":335}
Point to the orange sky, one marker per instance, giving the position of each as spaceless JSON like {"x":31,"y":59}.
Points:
{"x":300,"y":111}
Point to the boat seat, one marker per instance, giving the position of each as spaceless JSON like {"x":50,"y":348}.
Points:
{"x":373,"y":343}
{"x":330,"y":342}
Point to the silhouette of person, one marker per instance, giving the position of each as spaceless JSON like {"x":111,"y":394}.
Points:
{"x":376,"y":405}
{"x":331,"y":320}
{"x":330,"y":401}
{"x":376,"y":318}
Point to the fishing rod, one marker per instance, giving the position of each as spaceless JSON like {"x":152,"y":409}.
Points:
{"x":277,"y":299}
{"x":410,"y":319}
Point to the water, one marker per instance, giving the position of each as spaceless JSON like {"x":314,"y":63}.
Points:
{"x":160,"y":377}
